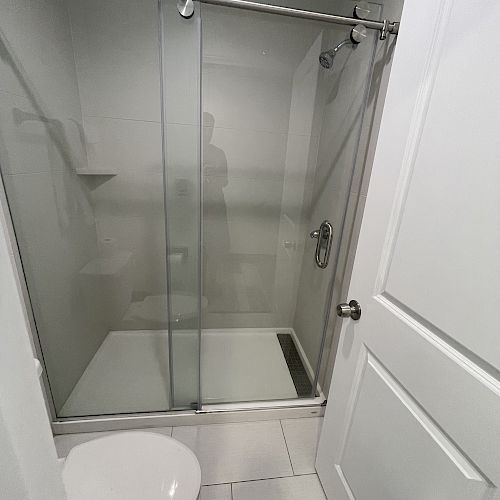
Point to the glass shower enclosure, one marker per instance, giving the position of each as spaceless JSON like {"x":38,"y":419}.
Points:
{"x":178,"y":190}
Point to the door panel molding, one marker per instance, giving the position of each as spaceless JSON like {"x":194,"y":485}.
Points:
{"x":414,"y":136}
{"x":473,"y":363}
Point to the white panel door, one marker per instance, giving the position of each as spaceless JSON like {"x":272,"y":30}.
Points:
{"x":414,"y":406}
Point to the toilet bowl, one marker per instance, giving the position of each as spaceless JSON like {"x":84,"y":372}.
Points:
{"x":132,"y":466}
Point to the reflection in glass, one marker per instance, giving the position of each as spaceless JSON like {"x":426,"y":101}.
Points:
{"x":280,"y":139}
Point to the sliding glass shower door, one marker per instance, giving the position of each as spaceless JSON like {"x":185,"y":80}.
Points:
{"x":279,"y":143}
{"x":181,"y":107}
{"x":178,"y":189}
{"x":85,"y":144}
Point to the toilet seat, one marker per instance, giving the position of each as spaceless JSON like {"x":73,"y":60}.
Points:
{"x":132,"y":466}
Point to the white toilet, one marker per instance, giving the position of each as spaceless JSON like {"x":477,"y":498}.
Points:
{"x":132,"y":466}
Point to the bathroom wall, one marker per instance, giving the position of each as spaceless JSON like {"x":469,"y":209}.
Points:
{"x":117,"y":60}
{"x":41,"y":153}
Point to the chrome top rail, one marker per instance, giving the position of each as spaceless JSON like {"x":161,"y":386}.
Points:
{"x":385,"y":27}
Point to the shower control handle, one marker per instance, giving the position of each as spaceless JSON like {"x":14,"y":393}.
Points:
{"x":351,"y":310}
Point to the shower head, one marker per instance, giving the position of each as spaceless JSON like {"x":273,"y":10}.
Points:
{"x":358,"y":34}
{"x":326,"y":58}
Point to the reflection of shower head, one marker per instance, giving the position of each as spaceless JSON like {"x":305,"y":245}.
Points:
{"x":358,"y":34}
{"x":326,"y":58}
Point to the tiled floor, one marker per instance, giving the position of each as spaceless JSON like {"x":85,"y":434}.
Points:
{"x":270,"y":460}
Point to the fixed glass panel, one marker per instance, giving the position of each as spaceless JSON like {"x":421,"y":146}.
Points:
{"x":181,"y":127}
{"x":81,"y":161}
{"x":280,"y":137}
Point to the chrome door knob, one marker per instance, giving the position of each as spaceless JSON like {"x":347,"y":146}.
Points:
{"x":351,"y":310}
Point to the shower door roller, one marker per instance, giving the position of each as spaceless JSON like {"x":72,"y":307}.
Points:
{"x":324,"y":235}
{"x":185,"y":8}
{"x":351,"y":310}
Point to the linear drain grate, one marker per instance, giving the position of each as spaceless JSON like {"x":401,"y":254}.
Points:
{"x":295,"y":366}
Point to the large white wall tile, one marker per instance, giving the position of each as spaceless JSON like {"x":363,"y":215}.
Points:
{"x":247,"y":98}
{"x":41,"y":129}
{"x":250,"y":153}
{"x":123,"y":145}
{"x":32,"y":144}
{"x":38,"y":60}
{"x":144,"y":237}
{"x":237,"y":452}
{"x":56,"y":232}
{"x":117,"y":57}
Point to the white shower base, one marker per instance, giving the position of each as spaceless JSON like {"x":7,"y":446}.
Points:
{"x":129,"y":372}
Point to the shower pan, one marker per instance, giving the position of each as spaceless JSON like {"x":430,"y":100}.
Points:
{"x":179,"y":213}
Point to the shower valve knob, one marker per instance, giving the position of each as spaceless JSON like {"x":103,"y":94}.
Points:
{"x":351,"y":310}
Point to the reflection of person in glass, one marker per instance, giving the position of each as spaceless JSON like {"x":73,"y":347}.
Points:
{"x":215,"y":226}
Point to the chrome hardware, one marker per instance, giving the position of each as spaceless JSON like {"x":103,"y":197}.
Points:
{"x":358,"y":34}
{"x":361,"y":10}
{"x":385,"y":29}
{"x":324,"y":235}
{"x":351,"y":310}
{"x":392,"y":27}
{"x":185,"y":8}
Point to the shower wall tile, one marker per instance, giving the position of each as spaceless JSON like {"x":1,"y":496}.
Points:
{"x":246,"y":98}
{"x":250,"y":154}
{"x":117,"y":59}
{"x":40,"y":62}
{"x":40,"y":128}
{"x":29,"y":145}
{"x":56,"y":231}
{"x":144,"y":237}
{"x":130,"y":194}
{"x":123,"y":146}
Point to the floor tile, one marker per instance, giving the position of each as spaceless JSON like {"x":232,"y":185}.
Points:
{"x":216,"y":492}
{"x":302,"y":435}
{"x":65,"y":442}
{"x":237,"y":452}
{"x":285,"y":488}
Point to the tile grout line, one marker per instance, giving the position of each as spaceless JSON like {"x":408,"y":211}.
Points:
{"x":262,"y":479}
{"x":287,"y":450}
{"x":232,"y":498}
{"x":256,"y":479}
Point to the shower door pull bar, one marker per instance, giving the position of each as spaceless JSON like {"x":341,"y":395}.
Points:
{"x":324,"y":235}
{"x":385,"y":27}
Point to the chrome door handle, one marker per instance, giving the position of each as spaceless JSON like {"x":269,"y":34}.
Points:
{"x":324,"y":235}
{"x":351,"y":310}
